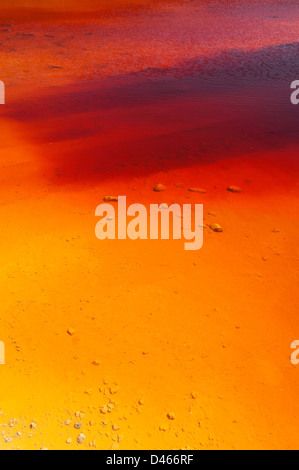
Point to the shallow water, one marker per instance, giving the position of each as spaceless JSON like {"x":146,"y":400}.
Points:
{"x":113,"y":100}
{"x":168,"y":83}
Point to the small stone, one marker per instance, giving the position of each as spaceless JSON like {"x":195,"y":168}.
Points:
{"x":32,"y":426}
{"x":194,"y":395}
{"x":93,"y":444}
{"x":96,"y":363}
{"x":78,"y":426}
{"x":110,"y":199}
{"x":68,"y":422}
{"x":115,"y":427}
{"x":114,"y":390}
{"x":104,"y":409}
{"x":69,"y":440}
{"x":197,"y":190}
{"x":171,"y":416}
{"x":216,"y":228}
{"x":164,"y":427}
{"x":81,"y":438}
{"x":159,"y":188}
{"x":114,"y":447}
{"x":71,"y":331}
{"x":234,"y":189}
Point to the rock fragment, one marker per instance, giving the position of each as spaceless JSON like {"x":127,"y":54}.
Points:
{"x":113,"y":390}
{"x":216,"y":228}
{"x":197,"y":190}
{"x":111,"y":199}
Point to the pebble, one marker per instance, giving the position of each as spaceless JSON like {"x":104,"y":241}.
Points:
{"x":197,"y":190}
{"x":104,"y":409}
{"x":32,"y":426}
{"x":216,"y":228}
{"x":78,"y":426}
{"x":171,"y":416}
{"x":234,"y":189}
{"x":110,"y":199}
{"x":110,"y":407}
{"x":159,"y":188}
{"x":164,"y":427}
{"x":71,"y":331}
{"x":69,"y":440}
